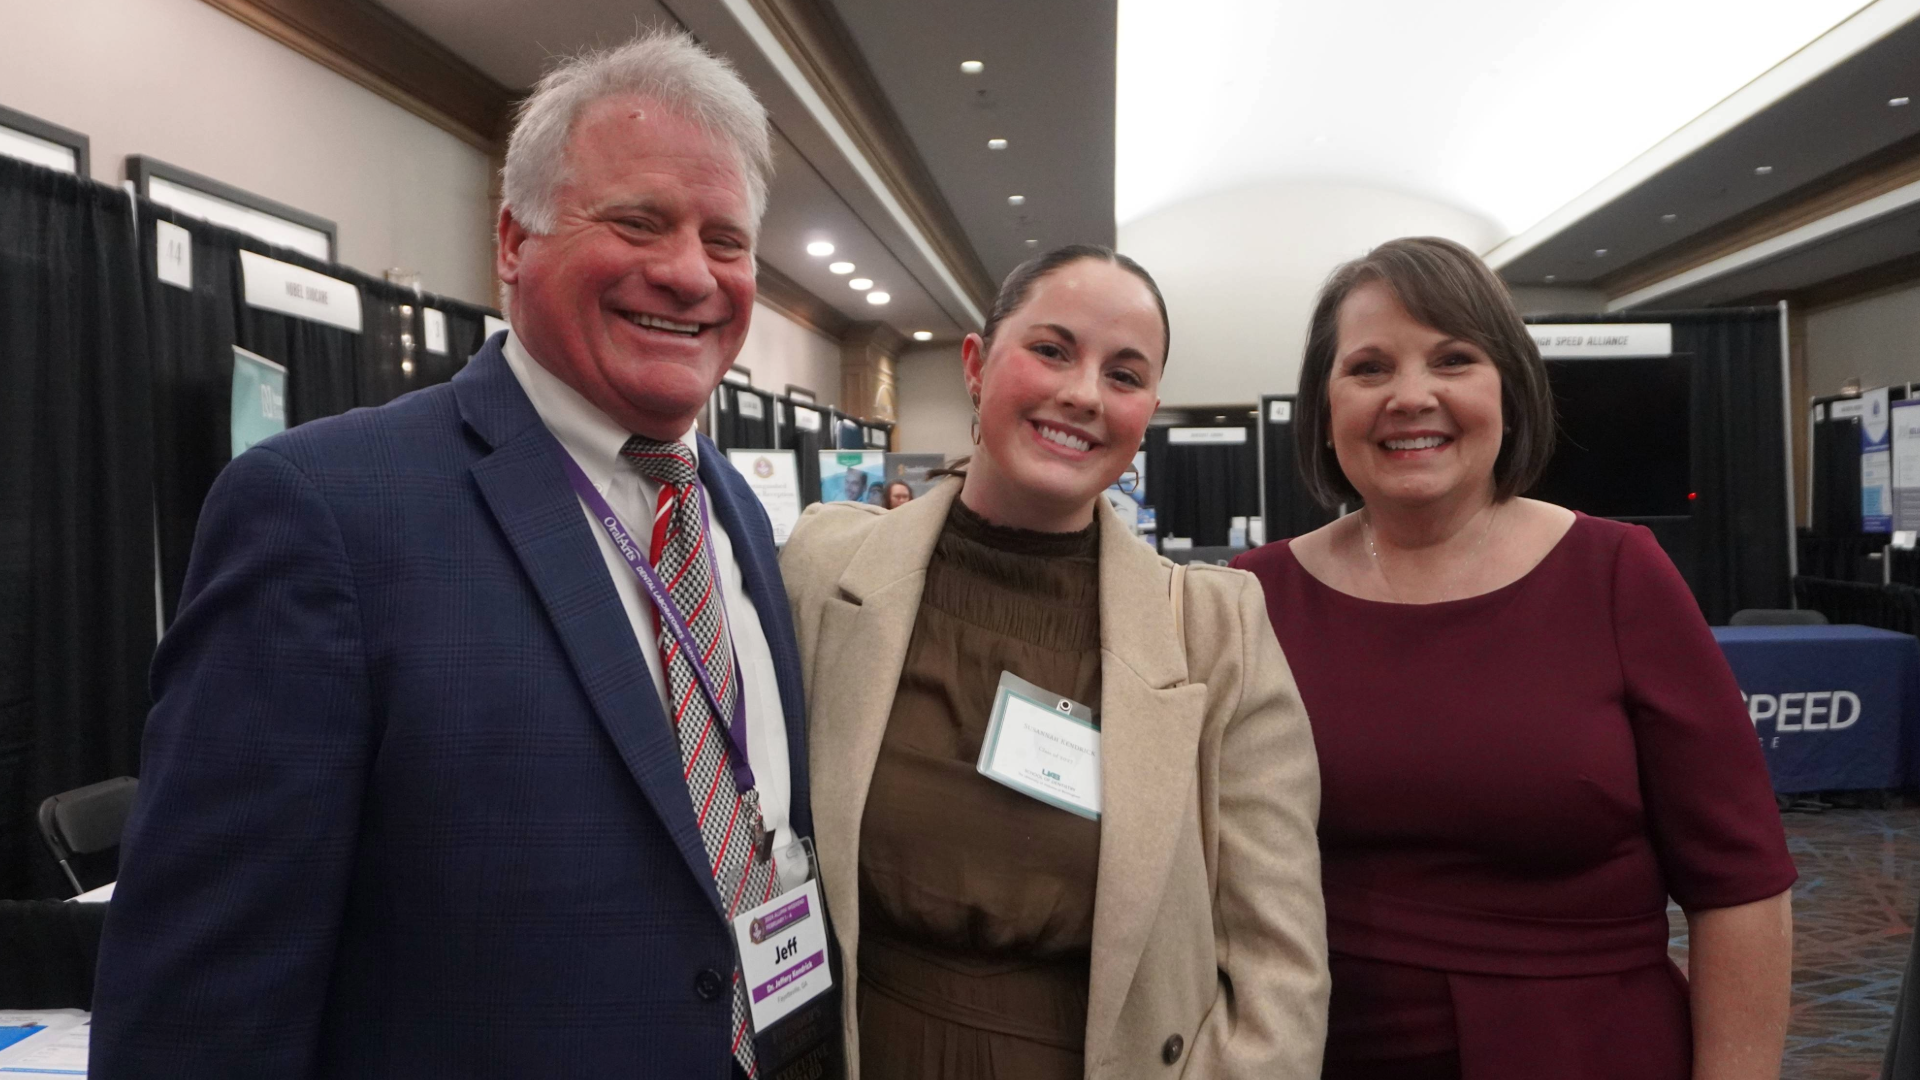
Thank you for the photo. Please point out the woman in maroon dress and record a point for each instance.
(1528, 739)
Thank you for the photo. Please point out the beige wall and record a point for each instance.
(1240, 270)
(1877, 338)
(779, 351)
(181, 82)
(935, 417)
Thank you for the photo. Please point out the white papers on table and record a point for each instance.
(95, 896)
(59, 1048)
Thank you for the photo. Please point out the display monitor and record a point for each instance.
(1625, 446)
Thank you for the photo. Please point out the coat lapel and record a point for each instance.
(524, 486)
(865, 630)
(1149, 746)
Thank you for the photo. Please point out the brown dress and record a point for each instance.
(976, 902)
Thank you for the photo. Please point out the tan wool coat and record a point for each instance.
(1209, 935)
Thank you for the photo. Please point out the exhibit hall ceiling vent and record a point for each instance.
(1508, 109)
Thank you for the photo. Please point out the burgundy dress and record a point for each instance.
(1512, 786)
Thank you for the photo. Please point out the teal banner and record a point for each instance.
(259, 399)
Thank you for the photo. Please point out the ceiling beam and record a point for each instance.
(790, 298)
(813, 36)
(389, 56)
(1890, 169)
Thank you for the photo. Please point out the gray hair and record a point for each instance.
(664, 66)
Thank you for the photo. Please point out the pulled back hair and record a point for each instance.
(1019, 285)
(1446, 287)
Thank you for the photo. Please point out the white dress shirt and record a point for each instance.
(595, 440)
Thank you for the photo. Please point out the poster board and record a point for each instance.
(1904, 435)
(1876, 463)
(774, 476)
(852, 475)
(259, 400)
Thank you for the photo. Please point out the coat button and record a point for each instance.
(707, 984)
(1170, 1052)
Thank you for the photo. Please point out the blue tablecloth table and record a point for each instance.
(1836, 708)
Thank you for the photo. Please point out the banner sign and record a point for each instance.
(435, 322)
(259, 399)
(1206, 436)
(852, 475)
(1904, 431)
(1594, 341)
(1876, 464)
(297, 291)
(774, 476)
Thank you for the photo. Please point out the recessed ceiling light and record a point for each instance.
(1599, 253)
(923, 335)
(860, 284)
(1668, 219)
(972, 67)
(1898, 101)
(878, 297)
(1033, 243)
(819, 249)
(1319, 140)
(840, 268)
(1016, 200)
(1763, 170)
(996, 144)
(1551, 278)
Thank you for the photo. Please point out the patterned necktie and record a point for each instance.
(730, 823)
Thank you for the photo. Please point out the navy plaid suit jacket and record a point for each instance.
(409, 804)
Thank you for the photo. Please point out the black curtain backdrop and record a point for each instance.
(1196, 490)
(1286, 507)
(76, 522)
(736, 429)
(1733, 549)
(329, 369)
(806, 444)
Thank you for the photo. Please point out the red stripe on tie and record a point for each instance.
(699, 544)
(738, 1035)
(726, 838)
(708, 804)
(694, 758)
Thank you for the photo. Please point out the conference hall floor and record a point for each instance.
(1853, 911)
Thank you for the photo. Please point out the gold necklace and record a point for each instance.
(1366, 530)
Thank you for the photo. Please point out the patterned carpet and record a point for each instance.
(1853, 911)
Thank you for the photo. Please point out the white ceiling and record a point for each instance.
(1506, 108)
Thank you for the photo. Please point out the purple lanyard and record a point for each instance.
(669, 612)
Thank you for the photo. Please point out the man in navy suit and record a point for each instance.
(420, 797)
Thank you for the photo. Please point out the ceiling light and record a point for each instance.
(860, 284)
(996, 144)
(972, 67)
(1551, 278)
(1898, 101)
(820, 249)
(1033, 243)
(1668, 219)
(1599, 253)
(923, 335)
(878, 297)
(840, 267)
(1763, 170)
(1016, 200)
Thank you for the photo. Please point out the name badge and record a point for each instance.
(783, 946)
(1044, 745)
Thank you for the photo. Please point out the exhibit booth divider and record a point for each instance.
(1201, 477)
(1286, 506)
(118, 408)
(1731, 534)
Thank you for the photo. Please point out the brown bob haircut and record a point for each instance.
(1446, 287)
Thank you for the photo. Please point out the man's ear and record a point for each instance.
(506, 256)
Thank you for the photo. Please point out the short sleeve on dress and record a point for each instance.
(1709, 801)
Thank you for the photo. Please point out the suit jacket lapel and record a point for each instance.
(753, 550)
(867, 628)
(527, 491)
(1149, 738)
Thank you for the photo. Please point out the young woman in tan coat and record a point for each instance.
(1162, 920)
